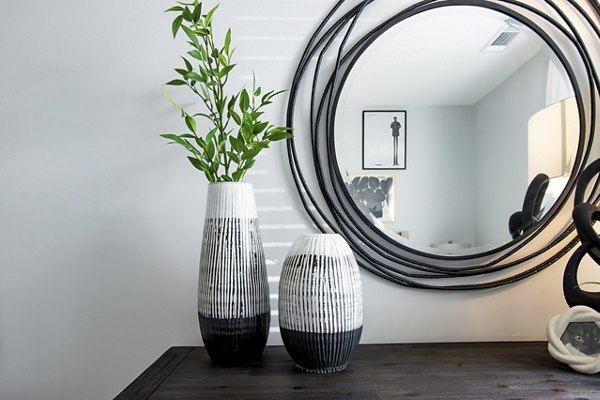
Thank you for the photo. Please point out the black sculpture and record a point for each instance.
(532, 211)
(584, 215)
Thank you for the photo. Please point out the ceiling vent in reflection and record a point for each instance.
(502, 38)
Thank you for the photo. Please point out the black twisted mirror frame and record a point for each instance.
(568, 27)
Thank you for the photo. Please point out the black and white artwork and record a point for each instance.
(384, 139)
(373, 195)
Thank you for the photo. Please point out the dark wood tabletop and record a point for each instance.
(521, 370)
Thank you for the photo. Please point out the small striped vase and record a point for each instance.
(320, 303)
(233, 293)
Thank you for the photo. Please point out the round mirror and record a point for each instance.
(437, 138)
(455, 131)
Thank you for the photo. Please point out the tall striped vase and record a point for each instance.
(320, 303)
(233, 293)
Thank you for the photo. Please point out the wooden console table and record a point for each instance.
(418, 371)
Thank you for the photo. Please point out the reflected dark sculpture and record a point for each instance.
(584, 215)
(532, 211)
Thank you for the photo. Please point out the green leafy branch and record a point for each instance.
(235, 135)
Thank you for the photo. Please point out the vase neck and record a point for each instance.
(230, 200)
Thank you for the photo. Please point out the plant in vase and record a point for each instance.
(223, 140)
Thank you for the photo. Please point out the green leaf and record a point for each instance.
(270, 95)
(204, 91)
(211, 134)
(222, 59)
(209, 14)
(197, 54)
(201, 32)
(191, 123)
(176, 25)
(257, 91)
(201, 142)
(236, 144)
(176, 82)
(191, 35)
(212, 72)
(275, 136)
(202, 115)
(247, 126)
(251, 153)
(259, 127)
(249, 164)
(187, 14)
(193, 76)
(171, 136)
(236, 118)
(197, 14)
(203, 52)
(225, 71)
(181, 71)
(244, 100)
(176, 8)
(226, 178)
(263, 144)
(183, 142)
(209, 153)
(234, 157)
(227, 41)
(238, 175)
(220, 103)
(266, 97)
(188, 65)
(201, 165)
(231, 105)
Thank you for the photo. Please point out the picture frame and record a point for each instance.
(374, 194)
(574, 339)
(384, 139)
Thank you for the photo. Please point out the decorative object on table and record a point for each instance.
(233, 292)
(384, 139)
(233, 296)
(320, 303)
(574, 339)
(374, 195)
(584, 215)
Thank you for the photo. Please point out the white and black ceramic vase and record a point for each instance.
(233, 293)
(320, 303)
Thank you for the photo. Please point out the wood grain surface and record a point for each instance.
(416, 371)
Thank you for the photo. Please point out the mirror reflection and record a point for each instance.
(445, 122)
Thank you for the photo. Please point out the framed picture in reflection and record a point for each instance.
(383, 139)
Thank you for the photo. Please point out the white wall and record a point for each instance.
(501, 121)
(437, 187)
(100, 221)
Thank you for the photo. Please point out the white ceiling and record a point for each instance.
(435, 58)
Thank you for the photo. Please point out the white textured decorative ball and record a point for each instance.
(574, 339)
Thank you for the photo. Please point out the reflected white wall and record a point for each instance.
(501, 123)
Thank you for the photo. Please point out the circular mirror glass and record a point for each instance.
(449, 125)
